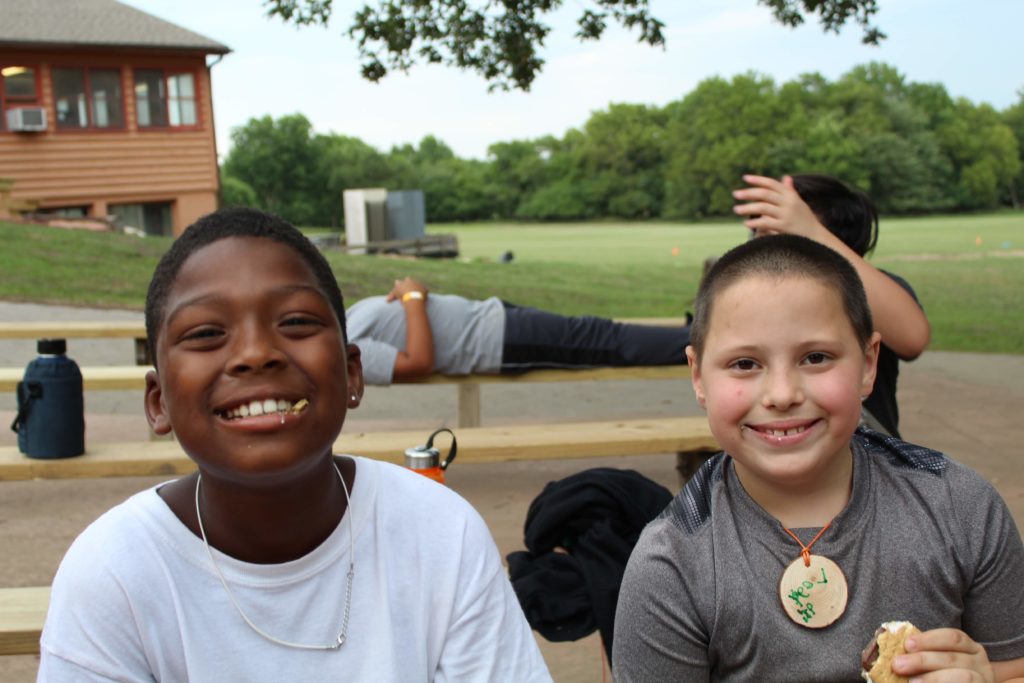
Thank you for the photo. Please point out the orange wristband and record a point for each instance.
(413, 296)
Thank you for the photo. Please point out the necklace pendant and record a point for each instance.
(813, 596)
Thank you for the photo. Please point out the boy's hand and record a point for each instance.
(774, 206)
(944, 654)
(404, 286)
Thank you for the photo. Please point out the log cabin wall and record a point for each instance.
(131, 169)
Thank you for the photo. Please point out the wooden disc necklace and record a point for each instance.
(813, 588)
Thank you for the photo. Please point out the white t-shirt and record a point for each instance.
(468, 334)
(136, 599)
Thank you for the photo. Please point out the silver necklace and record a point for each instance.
(343, 634)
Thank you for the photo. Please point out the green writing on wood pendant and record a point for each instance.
(813, 595)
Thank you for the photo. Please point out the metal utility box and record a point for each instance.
(365, 217)
(406, 215)
(392, 222)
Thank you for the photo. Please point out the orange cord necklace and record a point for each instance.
(805, 550)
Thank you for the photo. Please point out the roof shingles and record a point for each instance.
(94, 23)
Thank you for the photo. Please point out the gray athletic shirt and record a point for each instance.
(922, 539)
(468, 334)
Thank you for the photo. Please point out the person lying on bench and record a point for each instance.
(845, 219)
(783, 554)
(410, 333)
(278, 560)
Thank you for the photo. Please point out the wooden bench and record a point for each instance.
(94, 378)
(22, 613)
(131, 377)
(476, 444)
(468, 386)
(136, 329)
(82, 329)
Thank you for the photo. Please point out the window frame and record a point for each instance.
(165, 74)
(90, 108)
(18, 101)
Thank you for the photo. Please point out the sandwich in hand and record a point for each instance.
(888, 642)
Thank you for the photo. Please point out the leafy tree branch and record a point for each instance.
(501, 39)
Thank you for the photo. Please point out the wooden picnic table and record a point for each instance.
(82, 329)
(127, 377)
(133, 377)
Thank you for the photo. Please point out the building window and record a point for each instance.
(19, 83)
(150, 218)
(165, 99)
(69, 98)
(19, 86)
(105, 97)
(150, 98)
(181, 102)
(69, 211)
(88, 98)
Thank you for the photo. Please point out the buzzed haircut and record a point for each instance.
(779, 256)
(234, 222)
(848, 213)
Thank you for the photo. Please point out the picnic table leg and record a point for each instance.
(142, 352)
(469, 405)
(687, 464)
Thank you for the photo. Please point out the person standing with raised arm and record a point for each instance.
(844, 219)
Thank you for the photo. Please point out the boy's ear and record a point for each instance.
(156, 413)
(355, 375)
(870, 365)
(695, 378)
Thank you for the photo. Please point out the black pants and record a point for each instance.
(539, 339)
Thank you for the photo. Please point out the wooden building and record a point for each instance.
(106, 111)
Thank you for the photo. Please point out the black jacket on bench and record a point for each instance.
(579, 533)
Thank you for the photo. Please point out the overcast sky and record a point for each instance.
(972, 47)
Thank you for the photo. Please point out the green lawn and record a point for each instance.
(971, 290)
(653, 243)
(672, 245)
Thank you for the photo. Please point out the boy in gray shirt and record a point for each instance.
(781, 557)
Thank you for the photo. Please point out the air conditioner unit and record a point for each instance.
(26, 119)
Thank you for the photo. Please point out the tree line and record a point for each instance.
(911, 146)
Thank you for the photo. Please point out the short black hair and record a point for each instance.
(848, 213)
(783, 256)
(234, 222)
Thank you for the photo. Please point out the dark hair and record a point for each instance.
(781, 256)
(848, 213)
(234, 222)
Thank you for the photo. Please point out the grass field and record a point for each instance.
(631, 243)
(968, 270)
